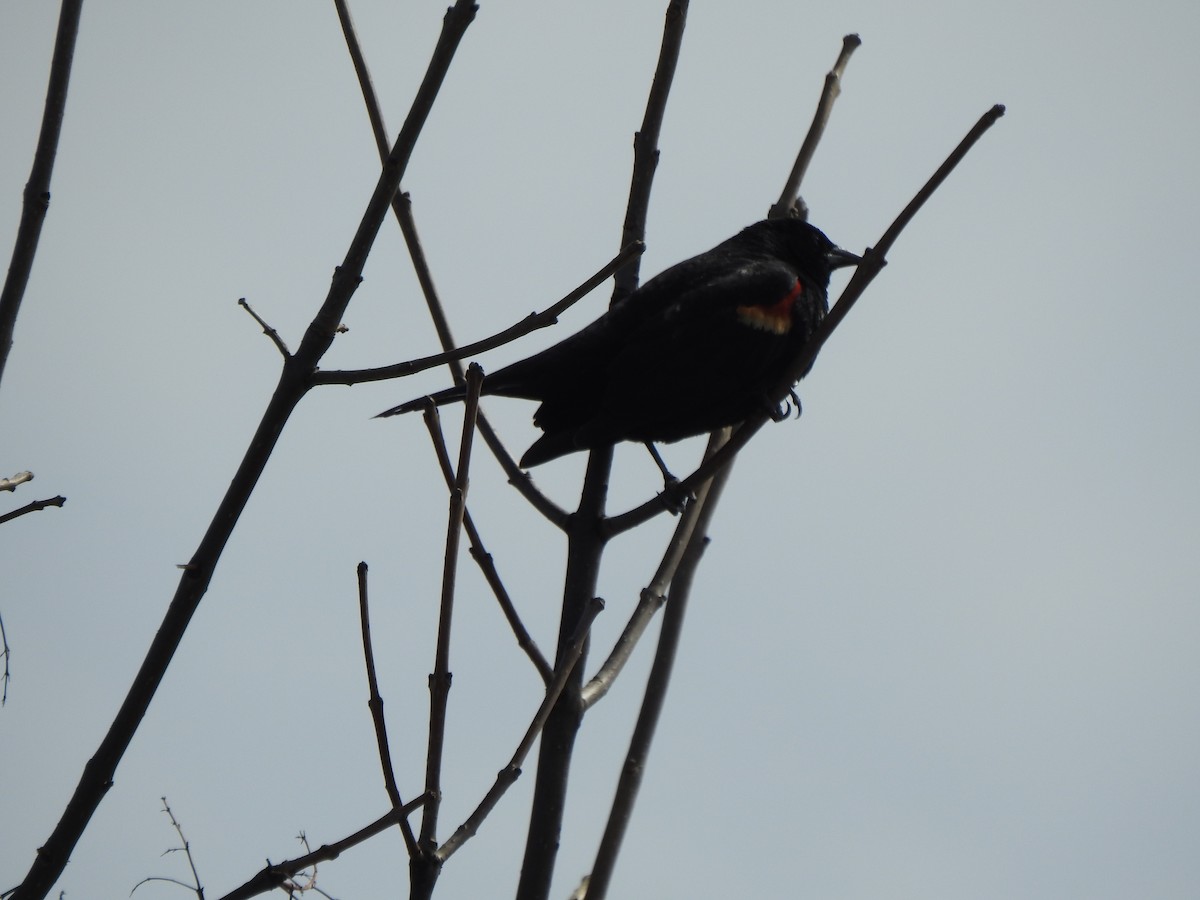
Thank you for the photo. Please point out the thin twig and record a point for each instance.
(484, 559)
(375, 704)
(786, 203)
(6, 653)
(873, 262)
(36, 201)
(507, 776)
(268, 330)
(531, 322)
(634, 766)
(99, 772)
(13, 482)
(274, 875)
(35, 506)
(439, 681)
(186, 847)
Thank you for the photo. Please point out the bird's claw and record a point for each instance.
(783, 409)
(673, 498)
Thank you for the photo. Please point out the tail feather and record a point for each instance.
(550, 446)
(449, 395)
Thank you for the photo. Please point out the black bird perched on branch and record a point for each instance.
(698, 347)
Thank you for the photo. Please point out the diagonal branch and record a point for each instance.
(37, 190)
(268, 330)
(274, 875)
(531, 322)
(98, 774)
(364, 77)
(786, 203)
(650, 600)
(35, 506)
(402, 208)
(12, 482)
(484, 559)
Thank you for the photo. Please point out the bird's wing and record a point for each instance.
(707, 358)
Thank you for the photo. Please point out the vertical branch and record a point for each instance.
(586, 537)
(37, 189)
(656, 687)
(645, 143)
(375, 704)
(439, 681)
(786, 203)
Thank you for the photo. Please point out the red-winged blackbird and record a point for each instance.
(695, 348)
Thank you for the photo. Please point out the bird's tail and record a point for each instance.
(449, 395)
(548, 447)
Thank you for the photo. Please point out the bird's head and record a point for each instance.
(801, 245)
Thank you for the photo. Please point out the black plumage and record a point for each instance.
(697, 347)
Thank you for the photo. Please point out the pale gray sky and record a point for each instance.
(944, 643)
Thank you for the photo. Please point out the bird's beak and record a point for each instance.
(839, 258)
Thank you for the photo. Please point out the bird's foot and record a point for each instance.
(784, 409)
(673, 497)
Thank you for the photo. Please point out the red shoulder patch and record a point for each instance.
(773, 317)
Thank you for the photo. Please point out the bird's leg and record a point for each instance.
(668, 478)
(674, 504)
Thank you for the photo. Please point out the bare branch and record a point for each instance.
(531, 322)
(510, 773)
(268, 330)
(402, 208)
(35, 506)
(484, 559)
(645, 141)
(6, 654)
(649, 602)
(15, 481)
(656, 687)
(275, 875)
(37, 189)
(364, 78)
(375, 703)
(439, 681)
(786, 203)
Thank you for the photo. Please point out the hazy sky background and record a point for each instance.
(945, 641)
